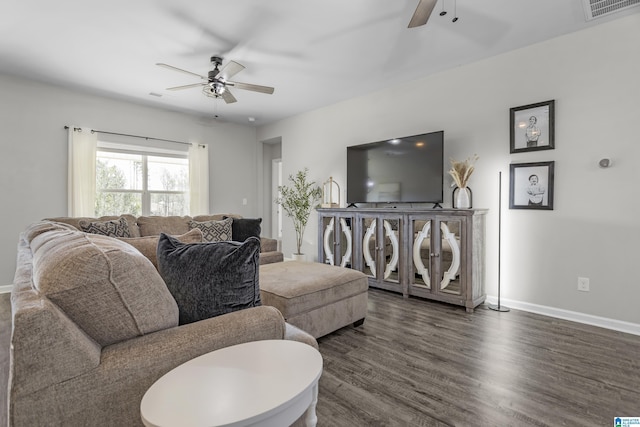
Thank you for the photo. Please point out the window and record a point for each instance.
(136, 175)
(141, 183)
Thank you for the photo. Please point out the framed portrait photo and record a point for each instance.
(531, 186)
(532, 127)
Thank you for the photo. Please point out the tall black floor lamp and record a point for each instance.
(498, 307)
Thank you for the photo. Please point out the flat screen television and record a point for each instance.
(399, 170)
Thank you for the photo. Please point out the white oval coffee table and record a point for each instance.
(265, 383)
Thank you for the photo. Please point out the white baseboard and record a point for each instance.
(5, 289)
(574, 316)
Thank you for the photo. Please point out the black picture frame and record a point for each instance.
(531, 185)
(532, 127)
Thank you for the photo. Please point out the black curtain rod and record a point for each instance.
(133, 136)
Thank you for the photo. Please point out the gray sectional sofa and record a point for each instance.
(153, 225)
(94, 325)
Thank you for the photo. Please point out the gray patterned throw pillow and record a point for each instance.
(214, 231)
(112, 228)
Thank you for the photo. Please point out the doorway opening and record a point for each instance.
(271, 180)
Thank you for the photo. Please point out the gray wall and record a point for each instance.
(594, 229)
(33, 164)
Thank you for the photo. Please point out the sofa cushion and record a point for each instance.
(215, 217)
(214, 231)
(154, 225)
(104, 285)
(243, 228)
(148, 245)
(111, 228)
(75, 221)
(37, 228)
(210, 279)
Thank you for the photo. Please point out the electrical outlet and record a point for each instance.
(583, 284)
(244, 201)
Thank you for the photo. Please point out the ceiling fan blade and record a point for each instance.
(186, 86)
(171, 67)
(231, 69)
(248, 86)
(228, 96)
(422, 13)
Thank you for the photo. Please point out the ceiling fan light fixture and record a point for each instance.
(210, 92)
(217, 87)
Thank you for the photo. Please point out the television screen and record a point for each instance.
(399, 170)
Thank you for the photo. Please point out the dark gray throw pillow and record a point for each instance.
(243, 228)
(212, 278)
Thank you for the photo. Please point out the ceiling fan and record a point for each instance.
(422, 13)
(424, 10)
(217, 81)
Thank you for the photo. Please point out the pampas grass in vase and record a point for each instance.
(461, 172)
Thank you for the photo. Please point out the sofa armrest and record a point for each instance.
(46, 346)
(128, 368)
(177, 345)
(267, 244)
(296, 334)
(271, 257)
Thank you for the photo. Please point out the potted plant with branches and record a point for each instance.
(297, 200)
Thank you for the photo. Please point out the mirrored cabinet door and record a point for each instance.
(346, 242)
(369, 246)
(436, 255)
(391, 249)
(449, 261)
(337, 241)
(420, 275)
(381, 248)
(328, 240)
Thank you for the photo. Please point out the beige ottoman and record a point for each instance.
(317, 298)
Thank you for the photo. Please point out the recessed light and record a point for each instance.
(252, 119)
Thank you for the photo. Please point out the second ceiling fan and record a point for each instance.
(217, 83)
(422, 13)
(424, 10)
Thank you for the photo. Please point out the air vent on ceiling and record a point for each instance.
(598, 8)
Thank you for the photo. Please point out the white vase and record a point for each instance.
(299, 257)
(463, 198)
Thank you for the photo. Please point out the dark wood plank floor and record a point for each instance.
(420, 363)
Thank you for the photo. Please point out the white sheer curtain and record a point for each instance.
(81, 187)
(198, 179)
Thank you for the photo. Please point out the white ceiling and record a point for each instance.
(314, 53)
